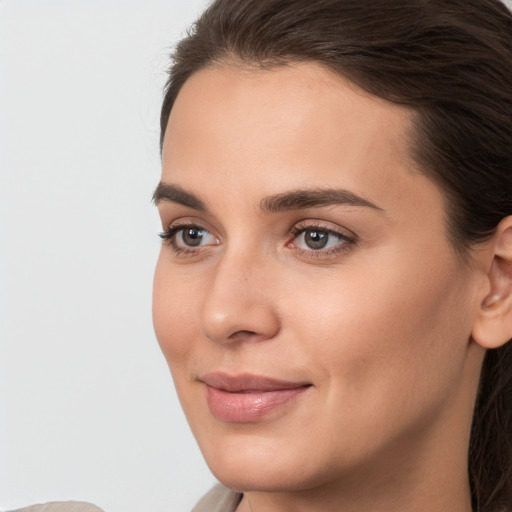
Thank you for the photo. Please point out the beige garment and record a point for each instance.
(61, 506)
(219, 499)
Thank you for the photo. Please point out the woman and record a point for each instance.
(334, 290)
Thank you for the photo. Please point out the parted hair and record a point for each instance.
(450, 61)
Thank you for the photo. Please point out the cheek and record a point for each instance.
(398, 335)
(173, 316)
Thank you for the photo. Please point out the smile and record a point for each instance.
(247, 398)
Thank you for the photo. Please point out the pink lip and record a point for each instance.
(247, 398)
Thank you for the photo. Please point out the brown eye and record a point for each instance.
(316, 239)
(188, 237)
(319, 241)
(192, 236)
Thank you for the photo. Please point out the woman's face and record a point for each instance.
(313, 313)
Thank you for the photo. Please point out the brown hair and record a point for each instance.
(451, 62)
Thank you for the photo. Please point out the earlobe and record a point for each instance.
(493, 326)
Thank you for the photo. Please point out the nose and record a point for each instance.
(239, 305)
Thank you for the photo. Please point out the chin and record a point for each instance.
(255, 477)
(253, 465)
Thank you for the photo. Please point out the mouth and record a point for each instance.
(248, 398)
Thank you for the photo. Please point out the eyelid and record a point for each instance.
(185, 222)
(174, 227)
(347, 239)
(310, 224)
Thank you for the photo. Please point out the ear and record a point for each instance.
(493, 326)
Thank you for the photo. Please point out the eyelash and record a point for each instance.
(169, 237)
(346, 241)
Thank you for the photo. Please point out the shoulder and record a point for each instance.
(61, 506)
(218, 499)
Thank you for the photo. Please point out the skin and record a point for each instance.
(379, 323)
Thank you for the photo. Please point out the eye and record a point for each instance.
(317, 239)
(320, 241)
(187, 238)
(192, 236)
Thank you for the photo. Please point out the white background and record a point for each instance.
(87, 408)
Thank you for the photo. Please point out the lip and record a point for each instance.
(247, 398)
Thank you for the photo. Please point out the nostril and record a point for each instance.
(241, 334)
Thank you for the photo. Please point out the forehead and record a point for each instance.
(297, 126)
(282, 108)
(289, 96)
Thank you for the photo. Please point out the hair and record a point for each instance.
(450, 61)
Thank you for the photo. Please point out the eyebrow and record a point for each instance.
(293, 200)
(310, 198)
(176, 194)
